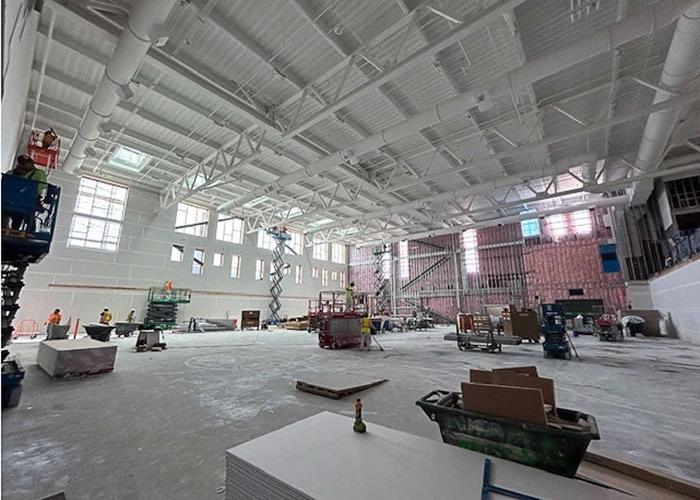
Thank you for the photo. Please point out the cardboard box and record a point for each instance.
(513, 403)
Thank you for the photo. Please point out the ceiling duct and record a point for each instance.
(681, 66)
(143, 28)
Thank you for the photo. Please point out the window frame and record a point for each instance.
(202, 229)
(181, 249)
(99, 207)
(198, 262)
(259, 269)
(324, 277)
(221, 261)
(230, 229)
(237, 260)
(338, 253)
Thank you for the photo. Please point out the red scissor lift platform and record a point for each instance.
(338, 323)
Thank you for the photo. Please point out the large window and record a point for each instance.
(296, 243)
(191, 219)
(471, 253)
(530, 228)
(581, 222)
(235, 266)
(320, 250)
(229, 229)
(259, 269)
(265, 240)
(198, 261)
(99, 210)
(338, 253)
(299, 274)
(403, 260)
(557, 225)
(324, 277)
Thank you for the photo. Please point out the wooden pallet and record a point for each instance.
(334, 391)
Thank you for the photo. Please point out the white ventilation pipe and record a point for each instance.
(143, 26)
(605, 40)
(681, 66)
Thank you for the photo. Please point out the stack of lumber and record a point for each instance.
(321, 457)
(72, 358)
(517, 393)
(296, 325)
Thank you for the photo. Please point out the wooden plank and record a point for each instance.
(643, 473)
(513, 403)
(336, 386)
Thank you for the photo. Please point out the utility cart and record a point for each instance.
(556, 343)
(557, 450)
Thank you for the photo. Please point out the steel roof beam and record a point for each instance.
(416, 58)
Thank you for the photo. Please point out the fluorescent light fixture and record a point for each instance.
(320, 222)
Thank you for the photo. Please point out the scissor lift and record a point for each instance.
(339, 322)
(29, 211)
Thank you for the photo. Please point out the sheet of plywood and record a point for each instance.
(546, 385)
(336, 385)
(525, 370)
(481, 376)
(514, 403)
(321, 457)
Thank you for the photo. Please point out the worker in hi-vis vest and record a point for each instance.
(366, 331)
(348, 296)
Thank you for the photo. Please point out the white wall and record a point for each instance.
(19, 38)
(63, 279)
(677, 294)
(639, 295)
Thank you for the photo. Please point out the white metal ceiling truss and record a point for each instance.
(217, 168)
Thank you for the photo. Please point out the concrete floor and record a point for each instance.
(158, 426)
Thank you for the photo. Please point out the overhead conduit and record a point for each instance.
(145, 19)
(641, 24)
(681, 66)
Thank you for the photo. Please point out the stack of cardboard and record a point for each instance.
(518, 394)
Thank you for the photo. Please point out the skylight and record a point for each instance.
(129, 159)
(289, 213)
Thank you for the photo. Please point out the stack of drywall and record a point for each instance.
(61, 358)
(321, 457)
